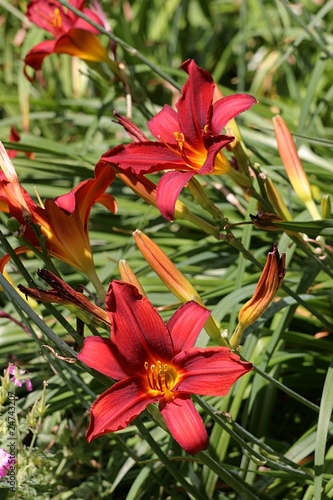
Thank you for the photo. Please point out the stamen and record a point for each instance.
(174, 150)
(56, 18)
(180, 138)
(159, 376)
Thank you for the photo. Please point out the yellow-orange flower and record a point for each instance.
(62, 221)
(72, 35)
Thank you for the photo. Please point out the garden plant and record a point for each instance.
(166, 249)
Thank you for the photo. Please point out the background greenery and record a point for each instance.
(278, 441)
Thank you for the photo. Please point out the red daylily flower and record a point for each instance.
(189, 140)
(72, 35)
(62, 221)
(154, 362)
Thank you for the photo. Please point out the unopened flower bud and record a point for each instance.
(127, 274)
(269, 283)
(41, 408)
(174, 279)
(165, 269)
(292, 163)
(326, 207)
(276, 200)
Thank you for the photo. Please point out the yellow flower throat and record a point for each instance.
(160, 377)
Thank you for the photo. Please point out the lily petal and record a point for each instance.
(101, 355)
(50, 16)
(136, 328)
(195, 104)
(81, 43)
(84, 25)
(6, 258)
(214, 145)
(185, 424)
(144, 157)
(186, 324)
(164, 125)
(87, 193)
(210, 371)
(168, 190)
(117, 407)
(67, 237)
(37, 54)
(227, 108)
(133, 131)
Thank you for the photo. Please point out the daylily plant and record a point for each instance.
(72, 35)
(155, 362)
(188, 140)
(63, 222)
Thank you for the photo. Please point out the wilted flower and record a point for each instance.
(62, 293)
(269, 283)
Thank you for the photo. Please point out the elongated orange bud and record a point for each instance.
(127, 274)
(269, 283)
(165, 269)
(174, 279)
(292, 163)
(276, 200)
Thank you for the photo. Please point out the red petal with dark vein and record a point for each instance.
(195, 105)
(227, 108)
(186, 324)
(117, 407)
(210, 371)
(144, 157)
(185, 424)
(101, 355)
(168, 190)
(215, 144)
(137, 329)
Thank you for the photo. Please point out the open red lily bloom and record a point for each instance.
(62, 221)
(188, 140)
(72, 35)
(154, 362)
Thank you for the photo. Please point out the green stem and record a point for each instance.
(96, 282)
